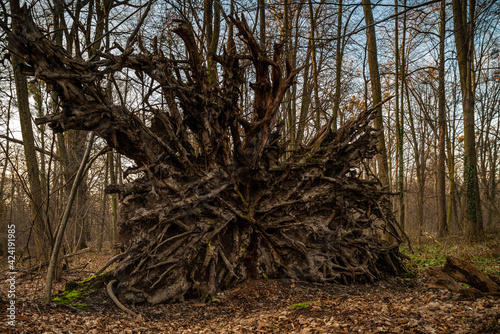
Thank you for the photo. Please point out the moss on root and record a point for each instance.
(68, 297)
(77, 291)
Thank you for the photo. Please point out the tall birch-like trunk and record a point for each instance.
(399, 116)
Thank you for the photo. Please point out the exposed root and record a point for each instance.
(111, 294)
(110, 262)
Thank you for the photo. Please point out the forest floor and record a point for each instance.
(393, 305)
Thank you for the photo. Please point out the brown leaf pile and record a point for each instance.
(396, 305)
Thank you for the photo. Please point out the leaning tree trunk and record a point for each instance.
(215, 201)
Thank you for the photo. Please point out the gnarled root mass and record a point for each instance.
(309, 218)
(219, 195)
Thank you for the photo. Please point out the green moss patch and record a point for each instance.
(301, 305)
(88, 279)
(68, 297)
(76, 294)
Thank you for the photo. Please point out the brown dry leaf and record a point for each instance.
(263, 307)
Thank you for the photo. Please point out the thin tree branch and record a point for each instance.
(64, 221)
(41, 150)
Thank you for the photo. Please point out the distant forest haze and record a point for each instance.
(213, 141)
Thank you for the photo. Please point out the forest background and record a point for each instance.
(435, 66)
(430, 69)
(426, 141)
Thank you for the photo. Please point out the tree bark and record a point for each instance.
(64, 221)
(464, 27)
(456, 271)
(213, 33)
(376, 88)
(306, 99)
(452, 206)
(315, 67)
(443, 228)
(262, 21)
(5, 150)
(105, 208)
(338, 67)
(399, 116)
(41, 236)
(418, 152)
(114, 198)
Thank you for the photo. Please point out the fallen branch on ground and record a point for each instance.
(456, 272)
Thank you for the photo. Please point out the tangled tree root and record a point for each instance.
(220, 195)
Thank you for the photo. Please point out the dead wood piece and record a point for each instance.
(495, 278)
(456, 272)
(470, 274)
(446, 281)
(443, 280)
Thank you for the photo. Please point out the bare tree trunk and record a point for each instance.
(6, 150)
(443, 228)
(450, 144)
(399, 115)
(312, 41)
(463, 19)
(371, 41)
(290, 97)
(306, 100)
(114, 198)
(213, 11)
(262, 15)
(64, 221)
(105, 208)
(338, 67)
(418, 152)
(402, 215)
(495, 209)
(36, 92)
(42, 240)
(3, 179)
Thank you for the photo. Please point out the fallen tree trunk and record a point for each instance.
(456, 272)
(216, 200)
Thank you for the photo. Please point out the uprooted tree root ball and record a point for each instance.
(219, 195)
(301, 219)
